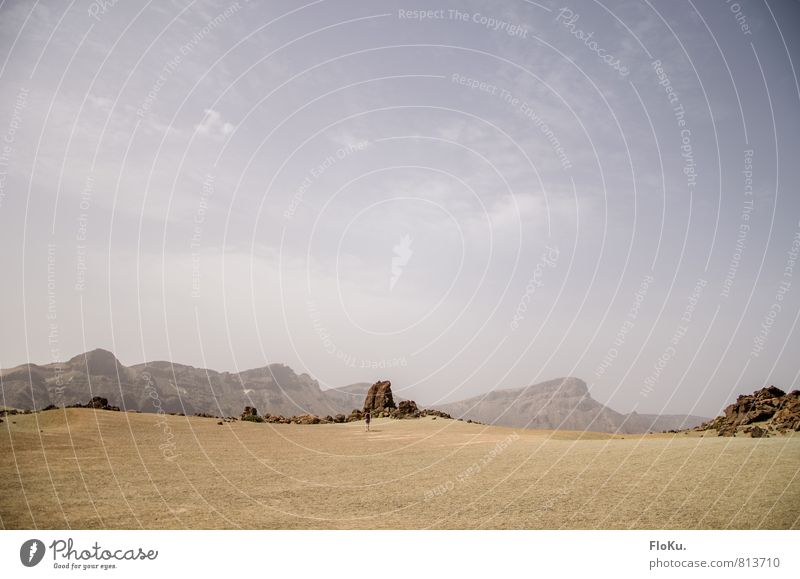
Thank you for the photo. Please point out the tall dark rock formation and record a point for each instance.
(379, 397)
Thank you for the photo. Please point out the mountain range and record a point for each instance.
(561, 404)
(564, 403)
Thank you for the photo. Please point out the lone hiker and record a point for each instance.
(367, 418)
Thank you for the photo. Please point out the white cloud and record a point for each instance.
(213, 125)
(100, 102)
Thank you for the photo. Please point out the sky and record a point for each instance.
(461, 197)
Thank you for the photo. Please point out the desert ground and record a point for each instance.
(81, 469)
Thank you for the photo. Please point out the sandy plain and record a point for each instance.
(86, 469)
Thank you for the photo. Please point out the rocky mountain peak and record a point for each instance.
(96, 362)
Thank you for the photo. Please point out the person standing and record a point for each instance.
(367, 418)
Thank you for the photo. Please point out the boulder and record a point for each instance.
(250, 414)
(407, 407)
(306, 419)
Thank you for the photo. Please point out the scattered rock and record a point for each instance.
(406, 409)
(98, 403)
(436, 413)
(306, 419)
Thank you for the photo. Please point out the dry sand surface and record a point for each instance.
(83, 468)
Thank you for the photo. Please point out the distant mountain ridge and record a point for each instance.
(167, 386)
(564, 403)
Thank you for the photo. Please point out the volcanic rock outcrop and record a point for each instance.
(771, 408)
(407, 407)
(251, 413)
(379, 397)
(97, 402)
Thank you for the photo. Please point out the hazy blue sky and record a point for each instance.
(486, 195)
